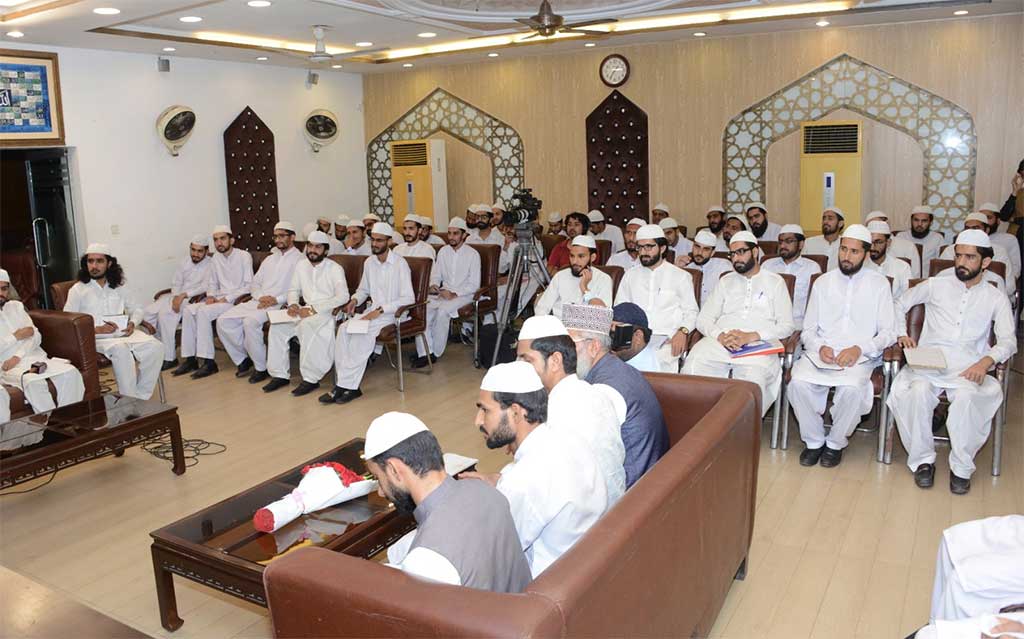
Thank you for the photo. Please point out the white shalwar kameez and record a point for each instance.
(65, 377)
(900, 247)
(930, 245)
(230, 278)
(998, 255)
(190, 279)
(389, 284)
(323, 288)
(613, 234)
(818, 245)
(895, 268)
(123, 352)
(801, 269)
(362, 249)
(957, 321)
(711, 274)
(241, 327)
(624, 260)
(416, 249)
(457, 271)
(759, 304)
(565, 289)
(665, 293)
(843, 311)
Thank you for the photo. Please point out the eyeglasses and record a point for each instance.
(740, 252)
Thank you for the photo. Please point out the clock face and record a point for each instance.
(614, 70)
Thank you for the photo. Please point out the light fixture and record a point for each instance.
(822, 23)
(259, 4)
(106, 11)
(427, 34)
(699, 34)
(961, 12)
(364, 44)
(407, 65)
(15, 34)
(190, 19)
(492, 55)
(590, 44)
(335, 66)
(262, 58)
(170, 49)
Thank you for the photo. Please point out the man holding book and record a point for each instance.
(849, 323)
(959, 314)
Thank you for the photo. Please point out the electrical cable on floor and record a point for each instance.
(194, 448)
(21, 492)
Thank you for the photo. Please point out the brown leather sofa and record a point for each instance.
(67, 335)
(658, 564)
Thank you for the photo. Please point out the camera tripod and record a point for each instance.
(524, 255)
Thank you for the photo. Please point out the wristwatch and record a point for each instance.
(683, 330)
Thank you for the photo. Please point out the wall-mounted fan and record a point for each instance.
(321, 128)
(174, 126)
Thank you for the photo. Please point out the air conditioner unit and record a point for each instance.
(419, 181)
(830, 171)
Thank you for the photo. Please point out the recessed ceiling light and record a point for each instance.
(407, 65)
(190, 19)
(364, 44)
(106, 11)
(492, 55)
(169, 49)
(590, 44)
(699, 34)
(822, 23)
(427, 34)
(259, 4)
(961, 12)
(262, 58)
(15, 34)
(335, 66)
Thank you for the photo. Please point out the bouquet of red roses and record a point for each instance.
(322, 485)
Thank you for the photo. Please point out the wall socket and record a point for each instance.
(115, 230)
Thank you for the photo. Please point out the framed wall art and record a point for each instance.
(30, 104)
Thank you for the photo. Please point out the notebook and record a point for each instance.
(758, 347)
(120, 320)
(925, 358)
(281, 316)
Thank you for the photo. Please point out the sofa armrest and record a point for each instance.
(161, 293)
(315, 593)
(73, 337)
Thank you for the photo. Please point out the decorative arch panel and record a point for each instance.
(252, 181)
(944, 131)
(617, 171)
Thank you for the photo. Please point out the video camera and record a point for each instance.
(622, 336)
(524, 210)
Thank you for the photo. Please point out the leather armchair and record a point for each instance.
(485, 299)
(415, 325)
(604, 251)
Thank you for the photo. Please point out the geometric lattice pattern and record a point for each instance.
(944, 131)
(442, 111)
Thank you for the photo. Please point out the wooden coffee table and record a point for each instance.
(219, 547)
(40, 444)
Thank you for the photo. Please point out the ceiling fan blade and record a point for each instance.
(589, 23)
(585, 32)
(532, 35)
(530, 22)
(356, 54)
(288, 52)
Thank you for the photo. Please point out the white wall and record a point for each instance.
(147, 204)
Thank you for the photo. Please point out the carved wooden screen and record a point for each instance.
(617, 173)
(252, 181)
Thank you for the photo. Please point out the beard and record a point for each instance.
(483, 224)
(577, 271)
(759, 229)
(829, 229)
(919, 235)
(699, 259)
(378, 251)
(877, 255)
(650, 260)
(98, 275)
(196, 260)
(3, 300)
(715, 227)
(502, 436)
(743, 267)
(965, 274)
(223, 249)
(410, 237)
(401, 499)
(848, 268)
(788, 253)
(584, 362)
(316, 258)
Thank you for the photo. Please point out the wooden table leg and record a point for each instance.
(169, 618)
(178, 448)
(119, 452)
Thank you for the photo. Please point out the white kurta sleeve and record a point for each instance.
(548, 298)
(468, 282)
(295, 289)
(687, 302)
(406, 295)
(431, 565)
(178, 282)
(601, 289)
(363, 290)
(909, 299)
(339, 298)
(1006, 341)
(74, 302)
(33, 343)
(247, 276)
(707, 319)
(885, 319)
(201, 283)
(810, 335)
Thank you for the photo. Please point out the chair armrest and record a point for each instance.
(161, 293)
(893, 353)
(407, 307)
(195, 299)
(791, 343)
(73, 337)
(243, 299)
(481, 292)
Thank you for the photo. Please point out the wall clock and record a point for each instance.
(614, 70)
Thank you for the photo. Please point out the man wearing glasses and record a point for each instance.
(791, 245)
(748, 305)
(664, 292)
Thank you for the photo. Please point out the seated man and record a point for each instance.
(240, 328)
(827, 244)
(757, 217)
(850, 322)
(498, 211)
(386, 280)
(644, 435)
(791, 245)
(574, 405)
(191, 278)
(321, 284)
(1007, 242)
(604, 231)
(631, 339)
(465, 534)
(20, 351)
(959, 313)
(369, 220)
(899, 247)
(453, 281)
(665, 292)
(748, 305)
(427, 232)
(100, 292)
(677, 242)
(881, 261)
(340, 233)
(575, 224)
(702, 257)
(230, 278)
(555, 223)
(979, 221)
(355, 242)
(412, 245)
(921, 218)
(628, 258)
(554, 485)
(323, 223)
(716, 219)
(734, 223)
(659, 213)
(581, 283)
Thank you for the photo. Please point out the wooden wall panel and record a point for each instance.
(691, 88)
(251, 173)
(469, 175)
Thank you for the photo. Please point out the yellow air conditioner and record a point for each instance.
(830, 171)
(419, 181)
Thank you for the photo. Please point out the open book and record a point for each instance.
(120, 320)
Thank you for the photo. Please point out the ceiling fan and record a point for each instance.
(320, 54)
(547, 23)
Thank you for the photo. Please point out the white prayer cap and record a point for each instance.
(879, 227)
(977, 217)
(796, 229)
(835, 209)
(323, 218)
(382, 228)
(742, 236)
(756, 205)
(588, 318)
(412, 217)
(743, 220)
(554, 216)
(458, 223)
(858, 232)
(988, 206)
(498, 205)
(222, 228)
(342, 220)
(705, 237)
(716, 209)
(595, 216)
(974, 237)
(356, 223)
(513, 377)
(540, 326)
(200, 240)
(483, 208)
(661, 206)
(668, 223)
(873, 215)
(371, 216)
(584, 240)
(4, 277)
(288, 226)
(96, 248)
(636, 221)
(650, 232)
(318, 237)
(426, 221)
(389, 430)
(922, 208)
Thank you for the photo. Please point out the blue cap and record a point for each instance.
(629, 313)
